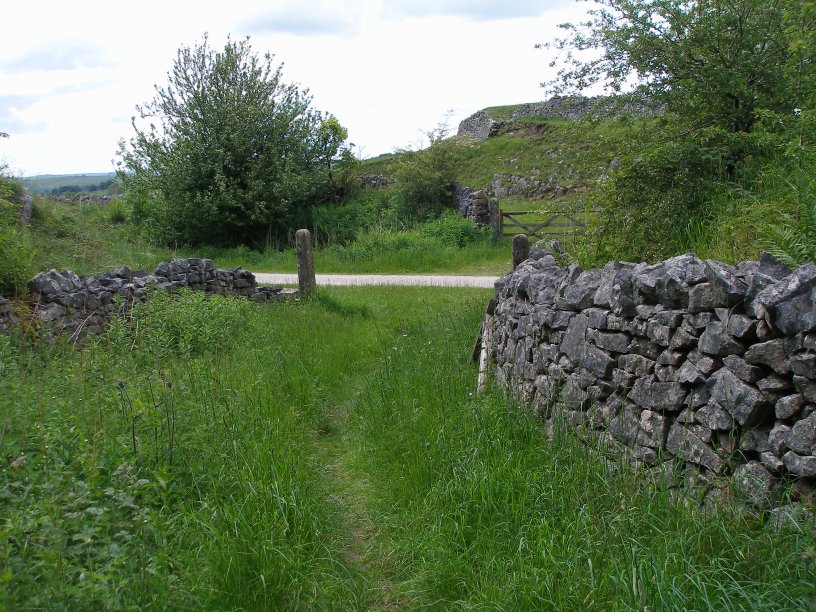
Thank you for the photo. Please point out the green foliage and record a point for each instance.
(229, 152)
(355, 471)
(186, 323)
(342, 224)
(710, 62)
(117, 213)
(453, 230)
(424, 177)
(738, 80)
(661, 191)
(16, 248)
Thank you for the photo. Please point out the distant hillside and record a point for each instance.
(47, 183)
(525, 153)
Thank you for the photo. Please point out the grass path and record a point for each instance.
(366, 549)
(331, 455)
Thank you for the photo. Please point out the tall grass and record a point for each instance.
(485, 512)
(216, 467)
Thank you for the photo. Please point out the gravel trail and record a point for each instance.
(413, 280)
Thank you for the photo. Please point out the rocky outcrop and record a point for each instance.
(66, 303)
(479, 126)
(530, 188)
(576, 107)
(707, 366)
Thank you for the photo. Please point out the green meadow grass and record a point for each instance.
(82, 238)
(212, 453)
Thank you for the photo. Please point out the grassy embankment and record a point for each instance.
(332, 455)
(82, 237)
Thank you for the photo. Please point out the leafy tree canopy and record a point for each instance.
(227, 152)
(711, 62)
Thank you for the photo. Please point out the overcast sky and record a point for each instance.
(72, 72)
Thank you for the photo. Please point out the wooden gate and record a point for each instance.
(555, 223)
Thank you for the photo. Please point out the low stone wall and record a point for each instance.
(576, 107)
(62, 302)
(476, 205)
(701, 367)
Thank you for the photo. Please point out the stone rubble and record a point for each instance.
(699, 365)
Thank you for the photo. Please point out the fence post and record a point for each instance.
(305, 262)
(521, 249)
(496, 217)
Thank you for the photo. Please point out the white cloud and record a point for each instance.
(386, 79)
(307, 18)
(476, 10)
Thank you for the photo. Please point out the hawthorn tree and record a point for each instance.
(710, 62)
(736, 79)
(226, 152)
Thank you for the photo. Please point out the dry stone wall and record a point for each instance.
(474, 205)
(696, 365)
(62, 302)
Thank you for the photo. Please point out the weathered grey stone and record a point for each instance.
(806, 387)
(669, 318)
(803, 436)
(742, 369)
(789, 406)
(771, 266)
(727, 286)
(715, 340)
(778, 439)
(625, 426)
(715, 417)
(661, 396)
(574, 342)
(597, 318)
(598, 362)
(615, 342)
(660, 334)
(804, 364)
(689, 374)
(705, 363)
(48, 313)
(684, 443)
(771, 462)
(572, 397)
(756, 440)
(580, 294)
(797, 314)
(654, 427)
(801, 281)
(771, 354)
(682, 340)
(774, 383)
(747, 405)
(805, 467)
(615, 290)
(645, 348)
(622, 380)
(616, 323)
(665, 373)
(741, 326)
(755, 484)
(636, 364)
(670, 358)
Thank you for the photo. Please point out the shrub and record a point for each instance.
(184, 323)
(455, 231)
(117, 212)
(424, 178)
